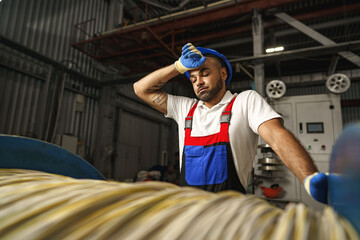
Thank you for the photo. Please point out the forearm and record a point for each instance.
(148, 88)
(155, 80)
(293, 155)
(288, 148)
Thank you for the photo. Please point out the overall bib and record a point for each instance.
(208, 161)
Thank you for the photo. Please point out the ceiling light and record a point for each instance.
(275, 49)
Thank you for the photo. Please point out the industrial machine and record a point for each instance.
(28, 153)
(316, 121)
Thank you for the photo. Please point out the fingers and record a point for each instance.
(202, 60)
(191, 58)
(189, 51)
(187, 46)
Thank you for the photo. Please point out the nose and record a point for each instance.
(199, 81)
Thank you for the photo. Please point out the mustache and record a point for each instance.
(201, 88)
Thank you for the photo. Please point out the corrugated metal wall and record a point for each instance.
(145, 138)
(79, 115)
(46, 27)
(21, 106)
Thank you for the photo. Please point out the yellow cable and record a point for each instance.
(37, 205)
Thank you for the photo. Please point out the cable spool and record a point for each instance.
(275, 89)
(37, 205)
(338, 83)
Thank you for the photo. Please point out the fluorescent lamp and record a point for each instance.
(275, 49)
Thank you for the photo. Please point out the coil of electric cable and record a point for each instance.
(37, 205)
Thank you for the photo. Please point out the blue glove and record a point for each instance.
(316, 186)
(191, 58)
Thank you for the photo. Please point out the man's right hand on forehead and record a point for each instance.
(191, 58)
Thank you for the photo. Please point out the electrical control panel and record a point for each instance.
(315, 120)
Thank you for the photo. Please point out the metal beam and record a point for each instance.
(228, 32)
(217, 14)
(161, 42)
(288, 55)
(305, 52)
(258, 46)
(271, 24)
(279, 33)
(333, 64)
(133, 59)
(355, 59)
(243, 29)
(167, 8)
(204, 15)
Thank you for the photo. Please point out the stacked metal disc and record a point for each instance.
(37, 205)
(270, 161)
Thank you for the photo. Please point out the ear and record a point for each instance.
(223, 73)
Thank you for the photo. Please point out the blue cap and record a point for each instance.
(213, 52)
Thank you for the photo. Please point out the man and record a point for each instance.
(221, 132)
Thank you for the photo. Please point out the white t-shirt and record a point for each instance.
(249, 111)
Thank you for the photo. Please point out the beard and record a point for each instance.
(209, 95)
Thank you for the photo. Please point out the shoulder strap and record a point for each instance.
(226, 114)
(188, 119)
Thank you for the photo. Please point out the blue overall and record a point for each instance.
(208, 161)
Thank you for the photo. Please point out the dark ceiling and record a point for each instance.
(152, 33)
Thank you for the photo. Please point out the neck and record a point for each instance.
(215, 100)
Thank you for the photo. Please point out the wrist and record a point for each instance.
(178, 65)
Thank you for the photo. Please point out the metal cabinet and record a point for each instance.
(316, 121)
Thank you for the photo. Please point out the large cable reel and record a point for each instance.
(275, 89)
(338, 83)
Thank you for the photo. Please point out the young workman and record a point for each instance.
(218, 132)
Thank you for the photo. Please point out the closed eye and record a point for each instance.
(203, 73)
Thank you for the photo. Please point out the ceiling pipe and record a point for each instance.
(169, 9)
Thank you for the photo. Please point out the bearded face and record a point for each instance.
(208, 93)
(209, 80)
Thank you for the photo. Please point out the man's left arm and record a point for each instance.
(288, 148)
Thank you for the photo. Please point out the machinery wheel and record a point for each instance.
(275, 89)
(338, 83)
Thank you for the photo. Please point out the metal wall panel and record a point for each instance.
(82, 123)
(20, 103)
(138, 137)
(47, 26)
